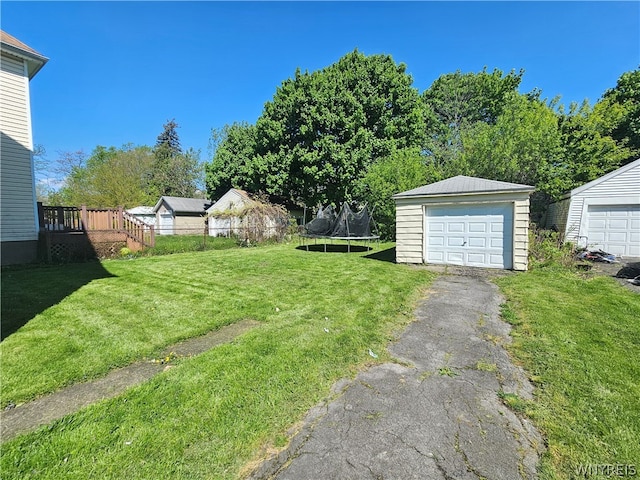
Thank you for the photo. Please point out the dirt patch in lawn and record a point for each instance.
(23, 418)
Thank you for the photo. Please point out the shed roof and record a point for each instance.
(225, 200)
(13, 46)
(463, 185)
(183, 204)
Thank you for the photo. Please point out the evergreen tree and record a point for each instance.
(174, 172)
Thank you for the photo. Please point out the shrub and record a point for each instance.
(547, 248)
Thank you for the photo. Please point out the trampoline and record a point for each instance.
(346, 225)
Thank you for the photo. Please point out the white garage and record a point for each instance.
(603, 214)
(464, 221)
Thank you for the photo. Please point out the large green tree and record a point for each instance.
(109, 177)
(588, 149)
(522, 146)
(458, 101)
(322, 130)
(232, 165)
(621, 107)
(403, 170)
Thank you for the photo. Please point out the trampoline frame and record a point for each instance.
(304, 236)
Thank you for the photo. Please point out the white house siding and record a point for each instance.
(17, 197)
(618, 189)
(410, 219)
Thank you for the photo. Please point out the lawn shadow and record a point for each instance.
(331, 248)
(388, 255)
(28, 290)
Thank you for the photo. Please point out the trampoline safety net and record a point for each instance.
(345, 224)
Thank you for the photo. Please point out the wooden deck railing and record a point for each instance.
(83, 219)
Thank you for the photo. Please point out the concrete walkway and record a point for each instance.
(46, 409)
(435, 413)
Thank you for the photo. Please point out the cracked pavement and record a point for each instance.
(435, 413)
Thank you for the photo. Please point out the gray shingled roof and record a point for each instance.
(462, 185)
(184, 205)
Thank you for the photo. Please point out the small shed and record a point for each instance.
(143, 213)
(180, 215)
(464, 221)
(237, 213)
(602, 214)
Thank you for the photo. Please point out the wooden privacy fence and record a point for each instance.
(82, 232)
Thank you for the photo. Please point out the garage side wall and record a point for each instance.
(188, 224)
(557, 215)
(409, 231)
(521, 234)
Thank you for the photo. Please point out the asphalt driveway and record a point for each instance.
(435, 413)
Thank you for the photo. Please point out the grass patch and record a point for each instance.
(447, 372)
(485, 366)
(579, 338)
(208, 415)
(515, 403)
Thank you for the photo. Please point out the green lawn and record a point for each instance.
(166, 244)
(579, 338)
(209, 415)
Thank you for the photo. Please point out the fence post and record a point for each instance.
(120, 218)
(152, 236)
(40, 217)
(85, 218)
(60, 218)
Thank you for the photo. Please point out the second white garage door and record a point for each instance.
(614, 229)
(470, 235)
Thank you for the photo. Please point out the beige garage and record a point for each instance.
(465, 221)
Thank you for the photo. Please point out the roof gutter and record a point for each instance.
(35, 61)
(459, 194)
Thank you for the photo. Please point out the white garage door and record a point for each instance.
(166, 224)
(475, 235)
(614, 229)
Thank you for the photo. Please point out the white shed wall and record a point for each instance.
(229, 201)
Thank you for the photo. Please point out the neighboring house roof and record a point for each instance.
(593, 183)
(141, 210)
(462, 185)
(183, 204)
(11, 45)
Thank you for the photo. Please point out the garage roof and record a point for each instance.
(183, 204)
(462, 185)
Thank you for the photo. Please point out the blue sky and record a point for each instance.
(119, 70)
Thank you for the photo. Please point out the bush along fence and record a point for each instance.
(250, 224)
(80, 233)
